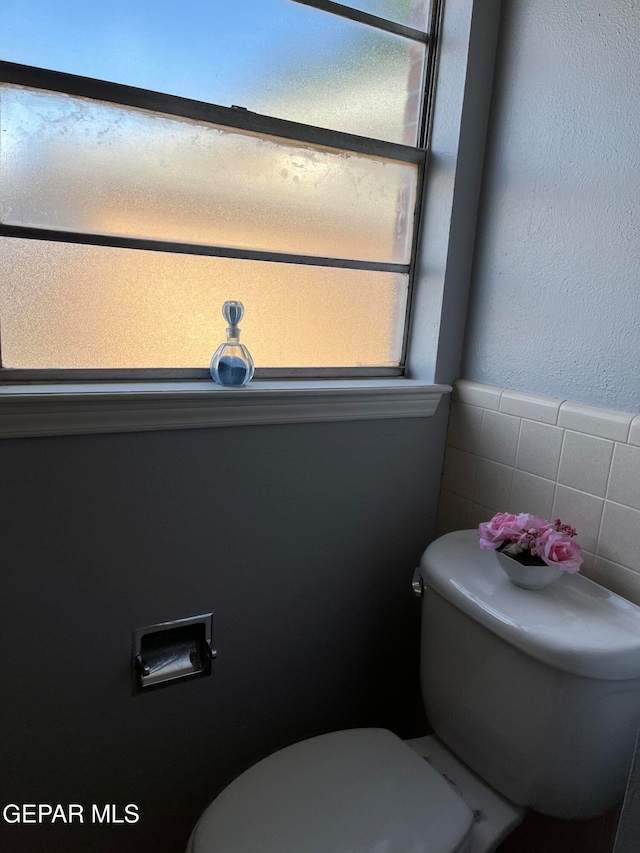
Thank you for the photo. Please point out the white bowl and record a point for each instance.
(527, 577)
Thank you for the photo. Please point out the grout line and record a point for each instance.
(617, 565)
(564, 438)
(622, 506)
(564, 432)
(515, 461)
(599, 528)
(591, 434)
(474, 477)
(629, 433)
(510, 483)
(608, 486)
(599, 539)
(583, 492)
(467, 515)
(555, 423)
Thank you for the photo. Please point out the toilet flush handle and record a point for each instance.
(417, 583)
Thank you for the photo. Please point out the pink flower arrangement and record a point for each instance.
(532, 540)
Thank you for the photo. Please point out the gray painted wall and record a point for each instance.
(555, 294)
(302, 539)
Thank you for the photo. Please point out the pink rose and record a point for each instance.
(501, 527)
(533, 526)
(532, 523)
(560, 551)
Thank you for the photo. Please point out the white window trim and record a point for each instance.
(43, 410)
(445, 254)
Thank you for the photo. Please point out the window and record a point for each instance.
(157, 159)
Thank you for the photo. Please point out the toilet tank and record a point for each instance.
(538, 691)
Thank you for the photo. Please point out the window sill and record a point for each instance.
(73, 409)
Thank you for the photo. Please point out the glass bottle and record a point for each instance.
(232, 365)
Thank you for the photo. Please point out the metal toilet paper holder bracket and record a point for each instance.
(172, 651)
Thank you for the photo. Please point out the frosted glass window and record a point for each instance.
(72, 164)
(275, 57)
(411, 13)
(64, 305)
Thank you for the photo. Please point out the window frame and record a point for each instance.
(452, 182)
(239, 118)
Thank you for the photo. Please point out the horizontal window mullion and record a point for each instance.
(101, 169)
(33, 376)
(84, 306)
(195, 249)
(173, 105)
(366, 18)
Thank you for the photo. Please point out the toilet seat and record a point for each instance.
(354, 791)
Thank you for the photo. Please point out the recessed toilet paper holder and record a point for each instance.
(172, 651)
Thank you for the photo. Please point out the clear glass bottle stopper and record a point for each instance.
(232, 364)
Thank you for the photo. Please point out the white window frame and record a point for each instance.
(441, 266)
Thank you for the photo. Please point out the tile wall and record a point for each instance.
(513, 452)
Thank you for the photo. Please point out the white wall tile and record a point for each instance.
(477, 394)
(531, 406)
(618, 579)
(539, 449)
(604, 423)
(624, 482)
(493, 484)
(531, 494)
(620, 535)
(453, 512)
(580, 510)
(588, 563)
(572, 470)
(478, 514)
(465, 425)
(634, 431)
(459, 472)
(585, 463)
(499, 437)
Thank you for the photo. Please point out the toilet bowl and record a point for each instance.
(355, 790)
(534, 698)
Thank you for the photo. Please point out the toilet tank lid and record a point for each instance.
(360, 789)
(575, 625)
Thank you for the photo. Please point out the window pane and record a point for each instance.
(66, 305)
(274, 57)
(411, 13)
(77, 165)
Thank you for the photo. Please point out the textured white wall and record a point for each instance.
(555, 293)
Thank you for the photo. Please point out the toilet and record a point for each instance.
(534, 702)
